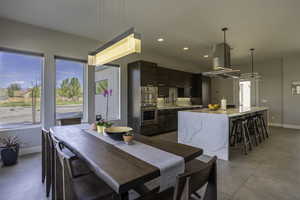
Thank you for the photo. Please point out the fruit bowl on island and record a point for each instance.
(213, 107)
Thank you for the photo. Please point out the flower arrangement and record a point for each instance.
(104, 123)
(106, 94)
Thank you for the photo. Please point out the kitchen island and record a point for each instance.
(209, 129)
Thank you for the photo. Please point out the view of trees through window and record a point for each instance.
(69, 88)
(20, 89)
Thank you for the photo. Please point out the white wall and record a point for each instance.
(112, 75)
(222, 88)
(270, 87)
(26, 37)
(291, 104)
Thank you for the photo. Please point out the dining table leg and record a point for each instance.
(142, 189)
(124, 196)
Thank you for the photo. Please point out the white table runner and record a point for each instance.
(170, 165)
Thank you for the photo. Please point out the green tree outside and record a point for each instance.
(12, 88)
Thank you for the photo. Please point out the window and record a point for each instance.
(107, 94)
(69, 88)
(245, 93)
(20, 89)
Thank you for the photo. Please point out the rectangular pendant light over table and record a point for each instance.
(125, 44)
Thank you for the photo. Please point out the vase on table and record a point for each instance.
(100, 129)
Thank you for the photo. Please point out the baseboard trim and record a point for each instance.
(291, 126)
(30, 150)
(275, 124)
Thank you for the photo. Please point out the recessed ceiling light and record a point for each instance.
(205, 56)
(185, 48)
(160, 39)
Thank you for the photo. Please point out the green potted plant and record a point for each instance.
(9, 147)
(102, 125)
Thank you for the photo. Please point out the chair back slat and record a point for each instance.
(70, 121)
(65, 161)
(191, 181)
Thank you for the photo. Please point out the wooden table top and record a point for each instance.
(117, 168)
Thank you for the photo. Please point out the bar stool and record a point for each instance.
(253, 128)
(87, 187)
(262, 123)
(240, 134)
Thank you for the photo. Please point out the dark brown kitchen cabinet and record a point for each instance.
(206, 90)
(187, 92)
(197, 85)
(187, 79)
(162, 120)
(163, 91)
(149, 130)
(143, 73)
(167, 120)
(175, 79)
(148, 73)
(162, 77)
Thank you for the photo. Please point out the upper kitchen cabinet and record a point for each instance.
(187, 79)
(148, 72)
(197, 85)
(175, 79)
(206, 90)
(163, 77)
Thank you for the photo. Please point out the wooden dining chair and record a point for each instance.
(46, 161)
(70, 121)
(43, 141)
(197, 174)
(84, 187)
(79, 167)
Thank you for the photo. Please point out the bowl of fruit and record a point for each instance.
(213, 106)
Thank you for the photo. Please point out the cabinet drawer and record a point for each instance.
(149, 130)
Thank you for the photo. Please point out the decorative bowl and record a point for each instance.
(117, 132)
(128, 138)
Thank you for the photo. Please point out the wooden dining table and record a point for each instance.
(120, 170)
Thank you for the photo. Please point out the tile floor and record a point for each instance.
(270, 172)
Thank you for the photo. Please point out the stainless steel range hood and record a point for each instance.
(222, 61)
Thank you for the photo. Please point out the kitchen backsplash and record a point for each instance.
(179, 102)
(183, 101)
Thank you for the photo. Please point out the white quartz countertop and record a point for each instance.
(178, 107)
(231, 112)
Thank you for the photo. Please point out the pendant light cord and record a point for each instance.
(252, 61)
(225, 53)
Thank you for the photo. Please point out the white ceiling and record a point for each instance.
(269, 26)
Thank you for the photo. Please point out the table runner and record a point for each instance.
(170, 165)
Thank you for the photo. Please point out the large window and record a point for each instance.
(20, 89)
(69, 88)
(107, 92)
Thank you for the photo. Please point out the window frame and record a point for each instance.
(27, 53)
(85, 65)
